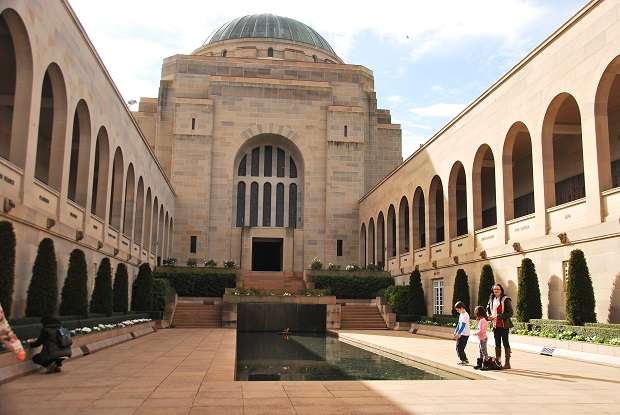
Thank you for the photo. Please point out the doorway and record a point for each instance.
(267, 254)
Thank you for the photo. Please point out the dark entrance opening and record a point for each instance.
(266, 254)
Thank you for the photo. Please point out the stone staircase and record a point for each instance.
(361, 317)
(273, 281)
(197, 314)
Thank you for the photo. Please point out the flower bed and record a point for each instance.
(259, 293)
(105, 327)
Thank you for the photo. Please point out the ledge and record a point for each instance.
(611, 191)
(566, 205)
(521, 219)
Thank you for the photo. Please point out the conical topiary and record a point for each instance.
(7, 265)
(43, 290)
(142, 290)
(416, 303)
(487, 280)
(580, 301)
(461, 290)
(74, 297)
(101, 300)
(121, 289)
(528, 304)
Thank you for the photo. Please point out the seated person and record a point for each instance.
(53, 352)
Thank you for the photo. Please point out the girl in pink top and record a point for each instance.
(481, 332)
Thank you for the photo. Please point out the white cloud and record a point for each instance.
(134, 36)
(441, 110)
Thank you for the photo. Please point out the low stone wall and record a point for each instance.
(230, 302)
(82, 345)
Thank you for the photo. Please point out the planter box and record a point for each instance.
(344, 273)
(82, 345)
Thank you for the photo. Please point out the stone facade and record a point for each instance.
(530, 168)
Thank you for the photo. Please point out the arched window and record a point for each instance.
(224, 53)
(293, 168)
(381, 240)
(100, 174)
(292, 206)
(267, 204)
(139, 223)
(268, 161)
(154, 226)
(254, 171)
(315, 58)
(160, 234)
(607, 113)
(485, 205)
(391, 232)
(241, 170)
(15, 87)
(116, 193)
(280, 163)
(80, 155)
(419, 219)
(562, 143)
(403, 225)
(148, 219)
(254, 204)
(363, 256)
(129, 201)
(240, 204)
(270, 52)
(371, 241)
(436, 210)
(518, 172)
(280, 204)
(457, 198)
(346, 131)
(52, 127)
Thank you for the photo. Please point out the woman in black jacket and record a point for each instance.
(500, 310)
(52, 355)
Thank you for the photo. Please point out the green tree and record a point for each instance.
(487, 280)
(528, 303)
(142, 290)
(580, 301)
(7, 265)
(461, 290)
(121, 289)
(416, 301)
(74, 297)
(43, 290)
(101, 300)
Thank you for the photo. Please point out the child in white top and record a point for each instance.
(461, 333)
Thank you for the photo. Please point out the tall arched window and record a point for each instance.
(148, 220)
(100, 174)
(381, 240)
(485, 204)
(154, 225)
(129, 201)
(518, 172)
(139, 223)
(52, 125)
(270, 52)
(607, 113)
(436, 211)
(363, 255)
(419, 219)
(240, 204)
(116, 193)
(277, 191)
(371, 241)
(403, 225)
(80, 155)
(457, 198)
(391, 232)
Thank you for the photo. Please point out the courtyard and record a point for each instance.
(191, 371)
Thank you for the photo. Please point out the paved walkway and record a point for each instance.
(191, 371)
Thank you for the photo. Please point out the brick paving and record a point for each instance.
(191, 372)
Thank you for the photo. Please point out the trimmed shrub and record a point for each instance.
(570, 331)
(604, 325)
(416, 301)
(142, 290)
(43, 290)
(7, 265)
(579, 292)
(461, 290)
(163, 294)
(352, 287)
(74, 297)
(209, 283)
(487, 280)
(528, 302)
(121, 289)
(102, 299)
(397, 297)
(543, 321)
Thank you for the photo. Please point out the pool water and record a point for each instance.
(271, 356)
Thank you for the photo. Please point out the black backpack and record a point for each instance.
(63, 337)
(491, 364)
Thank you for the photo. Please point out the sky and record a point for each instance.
(430, 58)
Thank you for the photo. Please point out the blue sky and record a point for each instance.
(430, 58)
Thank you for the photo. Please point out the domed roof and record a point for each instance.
(270, 26)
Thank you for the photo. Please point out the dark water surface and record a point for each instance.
(270, 356)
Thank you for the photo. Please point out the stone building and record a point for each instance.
(536, 174)
(269, 139)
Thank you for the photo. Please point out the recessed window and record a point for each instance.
(346, 131)
(438, 296)
(339, 247)
(270, 52)
(193, 123)
(193, 242)
(315, 58)
(224, 52)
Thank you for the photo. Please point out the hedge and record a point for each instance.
(544, 321)
(142, 290)
(585, 331)
(74, 297)
(199, 284)
(580, 302)
(461, 291)
(487, 280)
(42, 297)
(102, 300)
(121, 289)
(604, 325)
(7, 265)
(417, 302)
(397, 297)
(351, 287)
(529, 305)
(163, 294)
